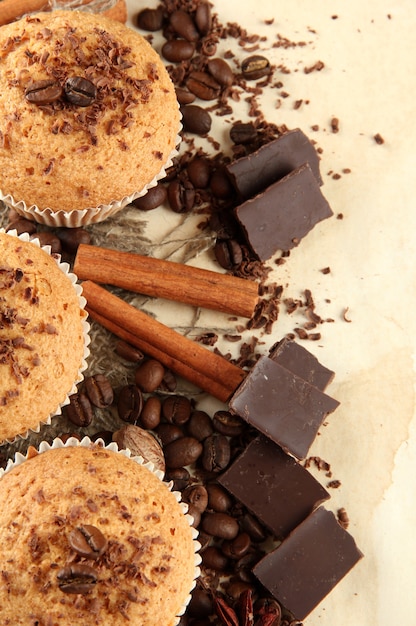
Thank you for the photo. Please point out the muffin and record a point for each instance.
(92, 536)
(44, 335)
(88, 117)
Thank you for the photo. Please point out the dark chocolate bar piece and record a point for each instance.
(277, 489)
(282, 406)
(301, 362)
(254, 172)
(309, 563)
(281, 215)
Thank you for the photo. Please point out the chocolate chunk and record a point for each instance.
(253, 173)
(279, 217)
(301, 362)
(309, 563)
(279, 491)
(282, 406)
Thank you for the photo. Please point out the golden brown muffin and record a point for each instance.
(89, 536)
(42, 336)
(103, 125)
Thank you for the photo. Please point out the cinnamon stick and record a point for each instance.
(11, 10)
(165, 279)
(207, 370)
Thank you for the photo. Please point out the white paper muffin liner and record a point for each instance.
(86, 442)
(65, 268)
(90, 215)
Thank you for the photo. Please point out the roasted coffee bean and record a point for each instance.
(180, 477)
(221, 71)
(235, 588)
(71, 238)
(255, 67)
(88, 541)
(47, 238)
(220, 525)
(128, 352)
(99, 390)
(150, 19)
(79, 410)
(228, 424)
(169, 382)
(201, 604)
(203, 85)
(220, 185)
(199, 425)
(243, 566)
(243, 133)
(199, 172)
(150, 415)
(228, 253)
(181, 196)
(184, 96)
(149, 375)
(168, 433)
(22, 225)
(176, 409)
(152, 199)
(43, 91)
(216, 453)
(219, 499)
(79, 91)
(238, 547)
(105, 435)
(183, 25)
(195, 514)
(182, 452)
(253, 527)
(195, 119)
(213, 558)
(203, 18)
(130, 403)
(77, 578)
(196, 495)
(177, 50)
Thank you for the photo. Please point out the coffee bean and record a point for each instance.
(152, 199)
(219, 499)
(150, 19)
(214, 558)
(149, 375)
(200, 604)
(237, 547)
(255, 67)
(128, 352)
(47, 238)
(181, 196)
(244, 565)
(195, 119)
(220, 185)
(228, 253)
(22, 225)
(168, 433)
(79, 410)
(199, 425)
(150, 415)
(43, 91)
(195, 514)
(176, 409)
(180, 477)
(196, 495)
(221, 71)
(203, 85)
(183, 25)
(243, 133)
(169, 382)
(184, 96)
(236, 587)
(71, 238)
(220, 525)
(216, 453)
(88, 541)
(77, 578)
(177, 50)
(99, 390)
(203, 18)
(130, 403)
(253, 527)
(79, 91)
(182, 452)
(228, 424)
(105, 435)
(199, 172)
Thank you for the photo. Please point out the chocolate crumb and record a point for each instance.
(378, 139)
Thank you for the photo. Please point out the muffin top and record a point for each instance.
(89, 536)
(42, 337)
(88, 113)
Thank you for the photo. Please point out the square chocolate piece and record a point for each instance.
(309, 563)
(301, 362)
(281, 215)
(279, 491)
(282, 406)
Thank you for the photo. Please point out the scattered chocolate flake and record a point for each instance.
(316, 67)
(345, 315)
(326, 270)
(334, 484)
(343, 518)
(207, 339)
(335, 125)
(378, 139)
